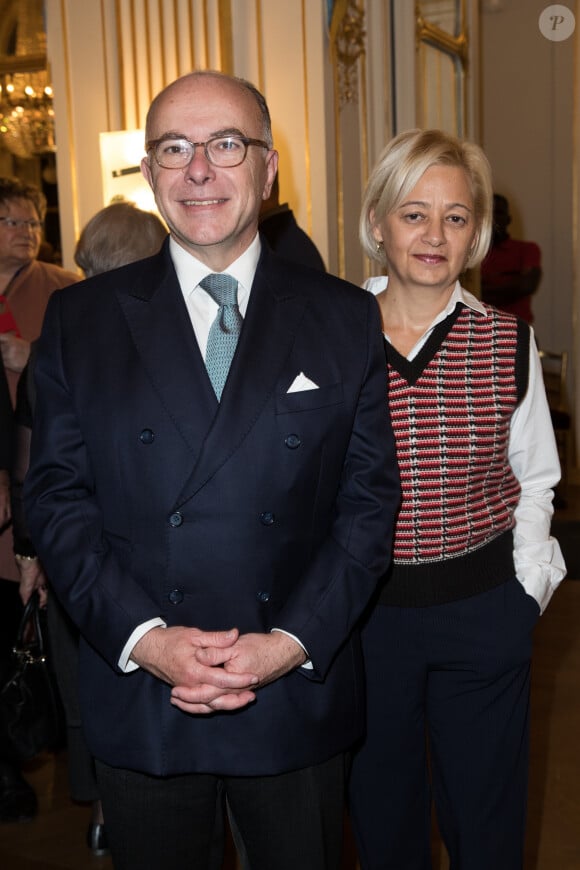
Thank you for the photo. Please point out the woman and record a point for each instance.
(448, 642)
(26, 283)
(25, 287)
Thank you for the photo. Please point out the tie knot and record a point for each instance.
(223, 289)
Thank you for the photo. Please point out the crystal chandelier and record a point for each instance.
(26, 116)
(26, 110)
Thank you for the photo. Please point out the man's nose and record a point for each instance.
(199, 168)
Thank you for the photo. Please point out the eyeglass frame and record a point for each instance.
(15, 223)
(246, 140)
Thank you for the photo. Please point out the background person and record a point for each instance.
(25, 287)
(25, 282)
(511, 271)
(120, 233)
(447, 646)
(280, 229)
(215, 535)
(17, 798)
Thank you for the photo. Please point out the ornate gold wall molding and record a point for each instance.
(348, 54)
(442, 52)
(348, 40)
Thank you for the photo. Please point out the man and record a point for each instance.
(511, 272)
(278, 226)
(216, 544)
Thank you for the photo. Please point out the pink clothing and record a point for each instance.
(29, 291)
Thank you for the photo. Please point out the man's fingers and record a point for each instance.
(204, 699)
(212, 656)
(220, 639)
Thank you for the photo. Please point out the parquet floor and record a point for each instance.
(55, 839)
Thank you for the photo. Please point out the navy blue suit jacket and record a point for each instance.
(146, 498)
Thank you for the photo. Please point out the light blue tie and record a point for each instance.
(225, 330)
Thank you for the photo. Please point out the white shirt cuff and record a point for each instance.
(307, 664)
(124, 664)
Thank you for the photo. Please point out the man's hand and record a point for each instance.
(15, 351)
(171, 654)
(270, 656)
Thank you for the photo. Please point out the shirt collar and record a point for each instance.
(377, 285)
(460, 294)
(190, 270)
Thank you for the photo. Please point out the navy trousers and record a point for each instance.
(448, 720)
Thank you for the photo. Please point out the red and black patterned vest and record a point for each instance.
(451, 409)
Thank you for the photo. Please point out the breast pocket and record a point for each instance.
(309, 400)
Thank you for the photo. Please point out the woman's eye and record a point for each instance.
(457, 219)
(413, 217)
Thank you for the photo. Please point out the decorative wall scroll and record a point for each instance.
(347, 35)
(348, 51)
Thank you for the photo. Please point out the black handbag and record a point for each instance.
(31, 711)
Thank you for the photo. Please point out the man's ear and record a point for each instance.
(146, 172)
(271, 170)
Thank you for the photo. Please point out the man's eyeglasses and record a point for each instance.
(16, 223)
(223, 151)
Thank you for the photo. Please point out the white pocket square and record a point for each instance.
(300, 383)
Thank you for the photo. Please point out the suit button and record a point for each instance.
(147, 436)
(175, 596)
(263, 597)
(175, 519)
(267, 518)
(293, 441)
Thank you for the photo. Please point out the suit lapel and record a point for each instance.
(270, 326)
(161, 329)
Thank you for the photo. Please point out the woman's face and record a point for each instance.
(429, 236)
(19, 245)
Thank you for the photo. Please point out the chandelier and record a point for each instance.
(26, 116)
(26, 110)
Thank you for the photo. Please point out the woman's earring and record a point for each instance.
(379, 246)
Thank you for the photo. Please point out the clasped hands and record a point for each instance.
(215, 670)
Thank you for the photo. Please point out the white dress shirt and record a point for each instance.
(533, 457)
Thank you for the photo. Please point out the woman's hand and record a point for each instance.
(32, 577)
(5, 509)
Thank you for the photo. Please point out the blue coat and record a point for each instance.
(146, 498)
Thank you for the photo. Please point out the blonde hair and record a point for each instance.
(398, 170)
(116, 235)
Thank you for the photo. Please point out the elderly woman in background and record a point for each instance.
(25, 282)
(448, 642)
(25, 287)
(116, 235)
